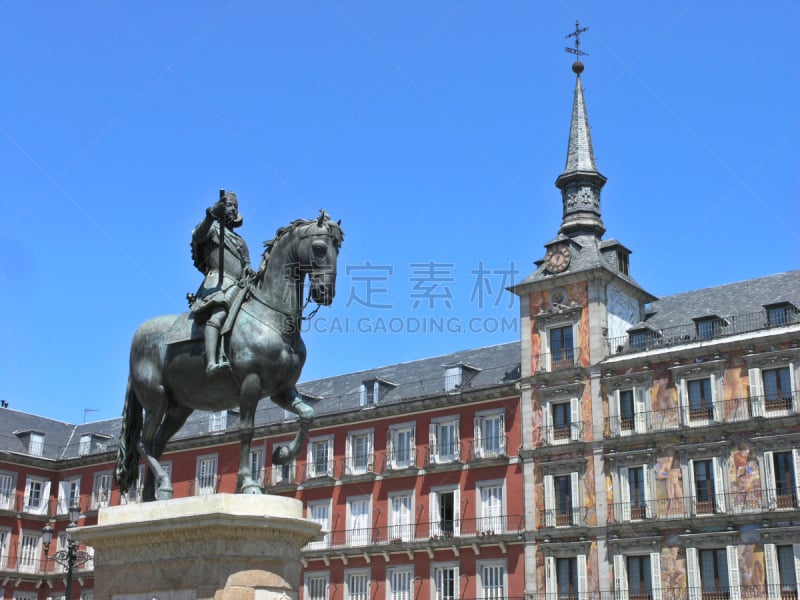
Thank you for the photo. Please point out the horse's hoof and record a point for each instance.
(252, 488)
(164, 494)
(281, 456)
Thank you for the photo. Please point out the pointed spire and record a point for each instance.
(581, 182)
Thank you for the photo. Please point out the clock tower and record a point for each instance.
(580, 300)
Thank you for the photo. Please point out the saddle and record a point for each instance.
(185, 328)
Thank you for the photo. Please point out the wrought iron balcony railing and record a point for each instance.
(562, 517)
(484, 528)
(642, 341)
(438, 454)
(554, 435)
(492, 447)
(742, 592)
(561, 360)
(399, 459)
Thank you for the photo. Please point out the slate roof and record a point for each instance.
(732, 299)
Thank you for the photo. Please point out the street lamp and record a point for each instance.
(70, 557)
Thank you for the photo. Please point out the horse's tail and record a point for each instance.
(127, 470)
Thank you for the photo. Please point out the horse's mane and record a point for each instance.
(333, 227)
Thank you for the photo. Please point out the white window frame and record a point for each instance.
(551, 575)
(365, 580)
(69, 492)
(394, 573)
(30, 551)
(770, 486)
(718, 471)
(392, 445)
(8, 490)
(85, 445)
(99, 479)
(401, 523)
(575, 424)
(351, 466)
(453, 377)
(545, 337)
(623, 481)
(311, 466)
(202, 480)
(436, 529)
(43, 486)
(257, 464)
(772, 569)
(491, 518)
(576, 498)
(5, 544)
(693, 576)
(621, 583)
(757, 363)
(714, 370)
(320, 506)
(87, 595)
(321, 576)
(359, 527)
(436, 570)
(436, 456)
(217, 421)
(489, 592)
(36, 443)
(488, 447)
(641, 408)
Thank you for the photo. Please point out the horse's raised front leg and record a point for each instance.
(248, 400)
(293, 401)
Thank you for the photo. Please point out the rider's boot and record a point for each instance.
(213, 366)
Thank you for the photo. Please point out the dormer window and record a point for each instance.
(85, 445)
(218, 421)
(457, 376)
(623, 262)
(33, 441)
(781, 314)
(374, 390)
(709, 327)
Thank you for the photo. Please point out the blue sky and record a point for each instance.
(434, 130)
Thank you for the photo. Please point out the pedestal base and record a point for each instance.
(224, 546)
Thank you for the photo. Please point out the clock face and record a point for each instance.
(557, 258)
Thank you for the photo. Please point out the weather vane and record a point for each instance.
(577, 35)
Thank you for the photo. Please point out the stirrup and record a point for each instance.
(215, 368)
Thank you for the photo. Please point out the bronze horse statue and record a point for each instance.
(168, 381)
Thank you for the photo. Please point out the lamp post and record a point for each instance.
(70, 557)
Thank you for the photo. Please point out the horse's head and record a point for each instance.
(316, 253)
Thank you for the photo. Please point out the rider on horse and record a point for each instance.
(218, 251)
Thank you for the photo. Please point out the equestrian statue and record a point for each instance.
(239, 343)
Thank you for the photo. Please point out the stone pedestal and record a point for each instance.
(221, 547)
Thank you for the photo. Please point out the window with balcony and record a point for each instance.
(491, 508)
(69, 494)
(206, 475)
(700, 399)
(359, 529)
(257, 464)
(320, 457)
(707, 486)
(401, 449)
(637, 488)
(561, 420)
(711, 572)
(317, 585)
(629, 408)
(445, 582)
(8, 485)
(359, 456)
(357, 587)
(37, 495)
(773, 382)
(401, 517)
(400, 580)
(320, 512)
(445, 441)
(565, 577)
(5, 537)
(562, 348)
(283, 474)
(777, 389)
(562, 500)
(709, 327)
(782, 567)
(780, 478)
(30, 552)
(445, 519)
(491, 580)
(490, 435)
(636, 576)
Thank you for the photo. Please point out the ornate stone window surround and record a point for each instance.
(557, 316)
(570, 393)
(757, 363)
(683, 374)
(640, 383)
